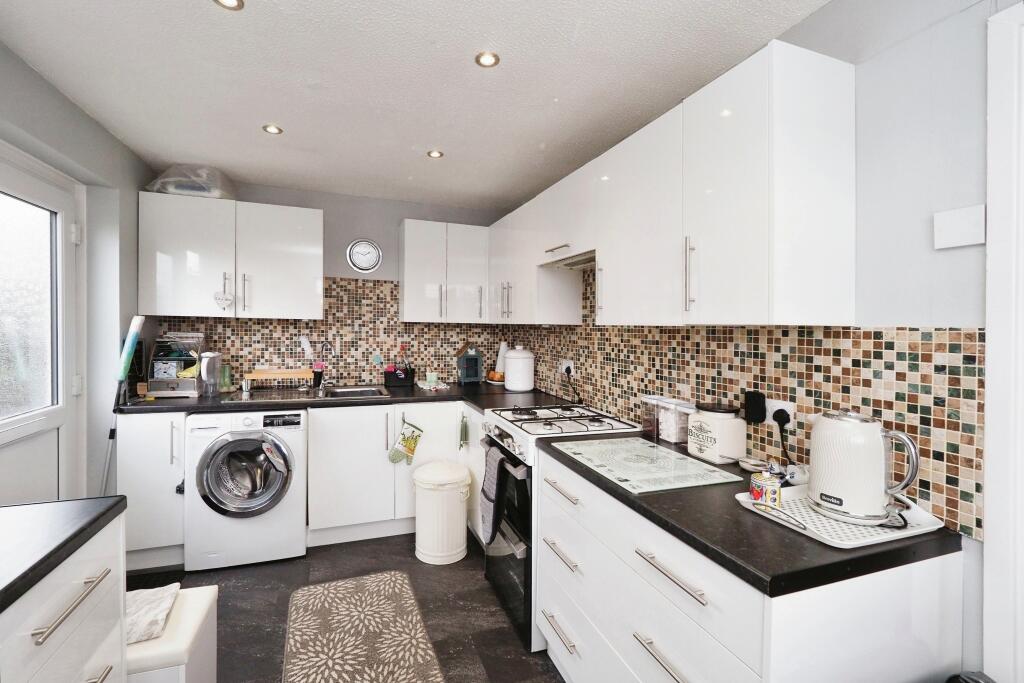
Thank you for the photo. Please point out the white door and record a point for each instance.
(726, 200)
(524, 236)
(351, 480)
(40, 291)
(466, 274)
(150, 466)
(279, 252)
(422, 271)
(640, 244)
(440, 441)
(186, 255)
(499, 240)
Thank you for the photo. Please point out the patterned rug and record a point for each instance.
(363, 630)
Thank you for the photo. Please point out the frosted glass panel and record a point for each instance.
(27, 315)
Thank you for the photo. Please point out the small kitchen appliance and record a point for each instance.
(470, 364)
(851, 458)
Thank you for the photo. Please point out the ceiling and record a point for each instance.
(363, 88)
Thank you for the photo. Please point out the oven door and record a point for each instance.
(507, 562)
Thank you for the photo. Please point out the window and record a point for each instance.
(28, 307)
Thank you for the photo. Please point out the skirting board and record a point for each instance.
(360, 532)
(148, 558)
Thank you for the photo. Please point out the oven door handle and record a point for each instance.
(518, 545)
(520, 472)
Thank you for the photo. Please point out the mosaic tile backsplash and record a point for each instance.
(927, 382)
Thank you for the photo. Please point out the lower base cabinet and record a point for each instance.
(89, 643)
(677, 616)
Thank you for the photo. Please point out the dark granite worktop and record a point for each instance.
(770, 557)
(36, 537)
(480, 396)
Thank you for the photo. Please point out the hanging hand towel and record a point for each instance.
(492, 491)
(405, 447)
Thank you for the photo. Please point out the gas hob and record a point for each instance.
(517, 429)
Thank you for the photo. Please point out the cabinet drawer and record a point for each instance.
(57, 593)
(579, 651)
(97, 643)
(729, 609)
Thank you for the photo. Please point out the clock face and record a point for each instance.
(364, 256)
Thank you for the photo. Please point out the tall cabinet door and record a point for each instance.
(498, 244)
(440, 441)
(466, 274)
(726, 195)
(280, 262)
(351, 480)
(422, 271)
(186, 255)
(640, 243)
(150, 465)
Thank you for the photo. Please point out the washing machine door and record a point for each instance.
(244, 474)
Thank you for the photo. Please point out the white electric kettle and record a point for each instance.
(851, 456)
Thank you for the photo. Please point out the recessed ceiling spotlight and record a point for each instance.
(233, 5)
(488, 59)
(604, 177)
(725, 113)
(435, 154)
(273, 129)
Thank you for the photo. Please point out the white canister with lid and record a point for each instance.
(519, 369)
(716, 433)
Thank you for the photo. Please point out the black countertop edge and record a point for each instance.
(772, 558)
(36, 537)
(480, 396)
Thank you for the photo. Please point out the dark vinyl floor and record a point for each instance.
(473, 638)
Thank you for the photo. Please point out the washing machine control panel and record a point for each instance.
(290, 420)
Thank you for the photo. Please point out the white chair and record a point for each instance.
(186, 652)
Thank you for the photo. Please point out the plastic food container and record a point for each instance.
(519, 370)
(674, 419)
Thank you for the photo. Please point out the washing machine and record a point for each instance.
(245, 488)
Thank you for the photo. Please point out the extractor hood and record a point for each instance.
(582, 261)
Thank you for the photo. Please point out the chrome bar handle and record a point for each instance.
(387, 431)
(440, 300)
(553, 249)
(573, 566)
(569, 645)
(43, 634)
(224, 283)
(694, 593)
(508, 295)
(501, 300)
(688, 250)
(480, 292)
(568, 496)
(648, 644)
(103, 676)
(245, 292)
(172, 442)
(599, 278)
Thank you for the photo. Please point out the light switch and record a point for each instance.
(959, 227)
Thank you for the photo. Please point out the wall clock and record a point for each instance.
(364, 255)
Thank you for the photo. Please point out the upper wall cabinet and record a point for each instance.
(186, 255)
(637, 218)
(442, 272)
(769, 192)
(279, 255)
(222, 258)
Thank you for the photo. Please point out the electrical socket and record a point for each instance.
(771, 405)
(565, 363)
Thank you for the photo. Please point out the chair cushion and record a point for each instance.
(172, 648)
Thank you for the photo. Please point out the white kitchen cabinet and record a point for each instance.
(150, 466)
(442, 272)
(769, 192)
(466, 273)
(637, 209)
(675, 609)
(440, 441)
(279, 261)
(499, 269)
(186, 255)
(351, 480)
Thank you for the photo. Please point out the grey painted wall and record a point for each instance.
(38, 119)
(921, 127)
(347, 218)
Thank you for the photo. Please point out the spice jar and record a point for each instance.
(717, 433)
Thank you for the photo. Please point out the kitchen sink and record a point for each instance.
(353, 392)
